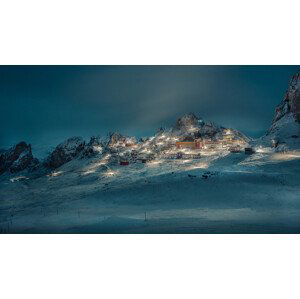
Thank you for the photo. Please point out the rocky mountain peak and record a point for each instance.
(93, 147)
(17, 158)
(115, 138)
(285, 128)
(65, 152)
(95, 141)
(187, 121)
(291, 102)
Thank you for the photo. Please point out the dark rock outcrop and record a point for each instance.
(94, 147)
(115, 138)
(192, 126)
(291, 101)
(286, 122)
(17, 158)
(65, 152)
(187, 121)
(189, 127)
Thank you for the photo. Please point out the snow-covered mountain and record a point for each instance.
(190, 125)
(284, 133)
(17, 158)
(116, 147)
(291, 102)
(65, 152)
(118, 184)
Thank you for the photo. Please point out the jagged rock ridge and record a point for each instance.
(284, 133)
(17, 158)
(118, 147)
(65, 152)
(191, 126)
(93, 147)
(291, 102)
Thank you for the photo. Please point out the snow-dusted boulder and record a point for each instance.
(65, 152)
(17, 158)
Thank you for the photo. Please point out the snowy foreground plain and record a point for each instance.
(221, 193)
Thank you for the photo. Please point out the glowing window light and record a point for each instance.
(55, 173)
(89, 171)
(287, 156)
(110, 173)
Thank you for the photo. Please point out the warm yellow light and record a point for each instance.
(154, 163)
(55, 173)
(200, 165)
(110, 173)
(286, 156)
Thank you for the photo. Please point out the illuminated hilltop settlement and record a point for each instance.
(194, 177)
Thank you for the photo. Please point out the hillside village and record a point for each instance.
(182, 177)
(190, 138)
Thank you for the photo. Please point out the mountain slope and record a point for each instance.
(117, 148)
(86, 190)
(284, 133)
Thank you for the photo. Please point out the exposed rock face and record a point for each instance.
(189, 127)
(115, 139)
(94, 147)
(118, 140)
(284, 132)
(95, 141)
(187, 121)
(291, 101)
(65, 152)
(209, 129)
(17, 158)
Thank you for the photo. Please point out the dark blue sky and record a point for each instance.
(46, 104)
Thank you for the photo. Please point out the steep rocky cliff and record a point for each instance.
(291, 102)
(284, 133)
(17, 158)
(65, 152)
(192, 126)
